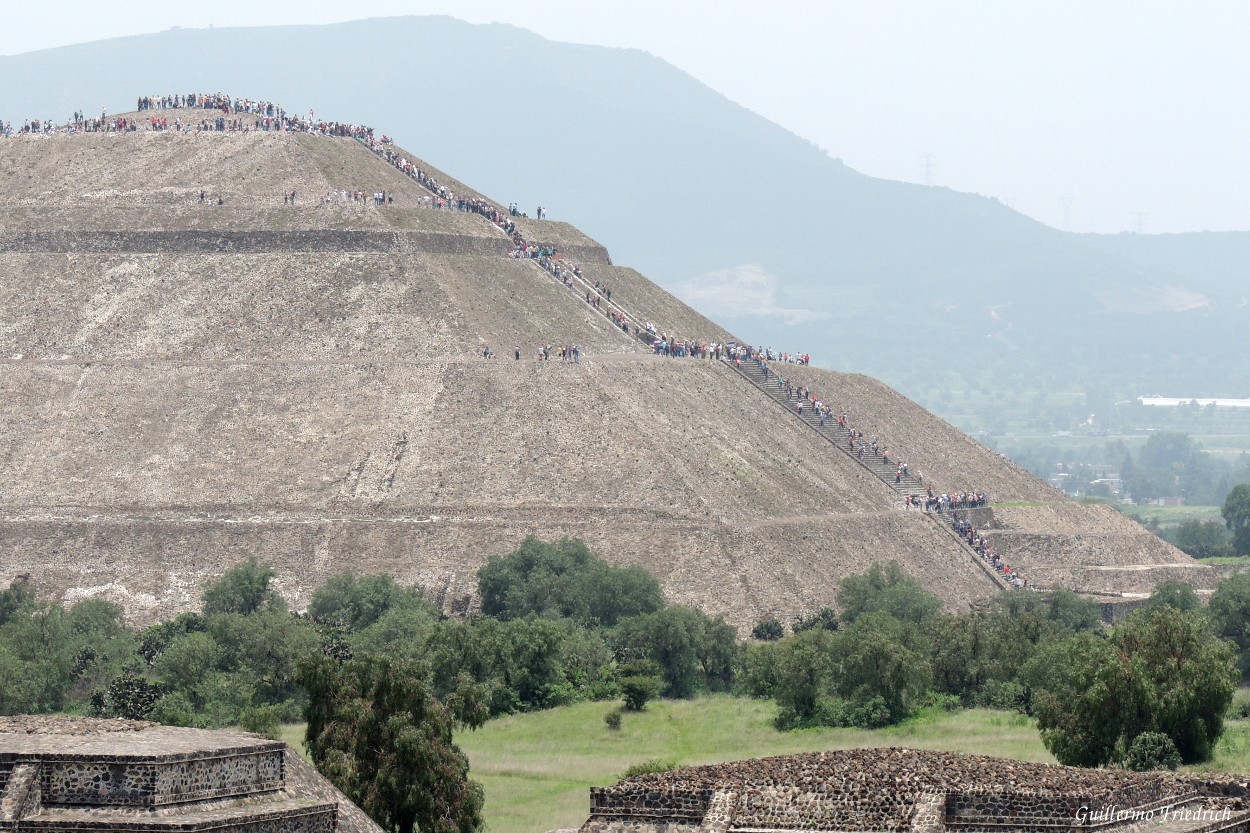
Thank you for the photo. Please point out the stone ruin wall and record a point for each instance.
(895, 790)
(676, 803)
(64, 774)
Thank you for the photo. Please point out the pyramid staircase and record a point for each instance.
(874, 461)
(151, 781)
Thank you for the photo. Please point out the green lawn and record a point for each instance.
(293, 735)
(1168, 516)
(537, 769)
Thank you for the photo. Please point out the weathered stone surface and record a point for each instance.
(905, 789)
(64, 774)
(186, 384)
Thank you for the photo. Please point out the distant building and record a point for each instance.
(1172, 402)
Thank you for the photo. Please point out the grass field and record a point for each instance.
(537, 769)
(1169, 516)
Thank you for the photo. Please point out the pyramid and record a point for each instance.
(196, 370)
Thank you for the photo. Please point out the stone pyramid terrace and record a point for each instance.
(911, 790)
(77, 774)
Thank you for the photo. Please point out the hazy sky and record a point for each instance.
(1129, 112)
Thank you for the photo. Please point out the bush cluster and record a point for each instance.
(559, 625)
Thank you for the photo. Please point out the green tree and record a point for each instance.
(804, 672)
(694, 652)
(870, 673)
(1172, 593)
(187, 665)
(564, 579)
(243, 589)
(1229, 610)
(640, 682)
(155, 639)
(1202, 539)
(882, 658)
(1161, 671)
(54, 658)
(1236, 512)
(378, 734)
(18, 596)
(958, 654)
(887, 589)
(1073, 698)
(1172, 463)
(359, 601)
(262, 651)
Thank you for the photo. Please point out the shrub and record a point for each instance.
(640, 683)
(825, 619)
(262, 720)
(651, 767)
(873, 713)
(945, 702)
(768, 629)
(613, 720)
(128, 696)
(1004, 695)
(1152, 750)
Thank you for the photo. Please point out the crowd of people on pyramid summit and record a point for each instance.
(218, 112)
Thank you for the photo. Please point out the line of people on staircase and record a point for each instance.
(810, 406)
(966, 530)
(663, 344)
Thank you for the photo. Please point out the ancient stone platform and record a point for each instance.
(76, 774)
(911, 790)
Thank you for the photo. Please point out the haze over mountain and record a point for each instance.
(757, 228)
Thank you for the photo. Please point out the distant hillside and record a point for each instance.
(928, 288)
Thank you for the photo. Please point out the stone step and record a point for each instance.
(288, 815)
